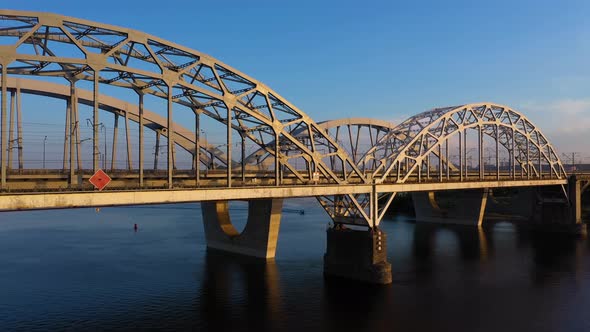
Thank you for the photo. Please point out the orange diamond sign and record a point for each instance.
(100, 179)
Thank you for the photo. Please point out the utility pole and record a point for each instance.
(89, 122)
(571, 157)
(44, 141)
(104, 159)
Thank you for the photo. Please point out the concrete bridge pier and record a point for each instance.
(259, 237)
(575, 196)
(358, 255)
(464, 207)
(555, 213)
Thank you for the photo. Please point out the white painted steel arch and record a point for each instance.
(35, 44)
(44, 44)
(185, 138)
(403, 151)
(351, 129)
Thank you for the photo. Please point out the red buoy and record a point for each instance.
(135, 227)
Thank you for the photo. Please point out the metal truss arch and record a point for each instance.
(185, 138)
(357, 136)
(292, 149)
(44, 44)
(354, 135)
(404, 151)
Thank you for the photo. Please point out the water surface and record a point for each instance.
(87, 270)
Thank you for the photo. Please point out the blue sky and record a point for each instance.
(387, 59)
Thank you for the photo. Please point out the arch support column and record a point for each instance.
(259, 238)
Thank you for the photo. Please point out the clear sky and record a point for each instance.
(386, 59)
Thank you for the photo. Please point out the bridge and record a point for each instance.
(175, 101)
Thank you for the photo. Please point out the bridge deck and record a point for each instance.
(50, 200)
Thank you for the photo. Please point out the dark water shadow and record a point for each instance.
(354, 306)
(474, 243)
(239, 293)
(549, 252)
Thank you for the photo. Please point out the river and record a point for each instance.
(89, 270)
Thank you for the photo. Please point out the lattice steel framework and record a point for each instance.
(406, 150)
(357, 136)
(210, 155)
(347, 132)
(43, 44)
(291, 144)
(418, 150)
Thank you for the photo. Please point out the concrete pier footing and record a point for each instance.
(555, 213)
(259, 238)
(540, 208)
(357, 255)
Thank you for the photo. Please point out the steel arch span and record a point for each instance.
(44, 44)
(347, 132)
(406, 151)
(354, 178)
(419, 150)
(185, 138)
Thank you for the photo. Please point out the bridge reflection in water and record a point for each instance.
(457, 276)
(94, 272)
(257, 283)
